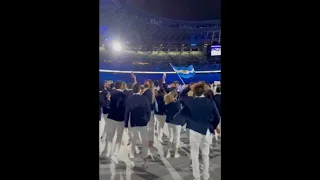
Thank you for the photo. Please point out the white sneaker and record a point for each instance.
(137, 150)
(114, 159)
(132, 164)
(102, 139)
(145, 164)
(131, 155)
(168, 155)
(176, 155)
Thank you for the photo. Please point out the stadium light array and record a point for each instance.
(116, 46)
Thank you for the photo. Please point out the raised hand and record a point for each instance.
(134, 77)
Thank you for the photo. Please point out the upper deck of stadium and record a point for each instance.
(131, 24)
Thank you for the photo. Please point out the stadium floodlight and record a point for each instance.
(116, 46)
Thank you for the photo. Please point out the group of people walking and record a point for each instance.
(143, 110)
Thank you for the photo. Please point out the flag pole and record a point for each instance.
(177, 74)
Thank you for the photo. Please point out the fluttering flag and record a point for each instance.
(184, 72)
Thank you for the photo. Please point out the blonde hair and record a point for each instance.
(174, 94)
(168, 98)
(124, 85)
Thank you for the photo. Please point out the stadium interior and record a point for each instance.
(132, 39)
(136, 45)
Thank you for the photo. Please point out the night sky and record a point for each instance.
(192, 10)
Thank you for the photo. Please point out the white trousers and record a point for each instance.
(137, 133)
(151, 127)
(160, 119)
(112, 128)
(202, 142)
(105, 120)
(174, 134)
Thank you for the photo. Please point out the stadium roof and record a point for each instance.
(188, 10)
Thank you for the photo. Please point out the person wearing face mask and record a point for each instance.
(217, 99)
(102, 103)
(165, 86)
(204, 118)
(148, 92)
(150, 95)
(105, 103)
(177, 86)
(115, 122)
(160, 113)
(105, 94)
(138, 110)
(172, 107)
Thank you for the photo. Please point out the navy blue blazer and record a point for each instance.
(165, 87)
(171, 110)
(139, 109)
(217, 99)
(203, 112)
(148, 95)
(182, 117)
(105, 101)
(117, 106)
(128, 93)
(100, 109)
(161, 106)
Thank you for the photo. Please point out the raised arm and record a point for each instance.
(185, 91)
(164, 85)
(134, 78)
(183, 96)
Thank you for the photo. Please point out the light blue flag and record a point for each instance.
(184, 72)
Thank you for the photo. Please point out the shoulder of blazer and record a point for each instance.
(144, 98)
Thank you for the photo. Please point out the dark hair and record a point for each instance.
(199, 89)
(218, 89)
(209, 94)
(151, 86)
(161, 92)
(149, 82)
(129, 86)
(136, 88)
(118, 84)
(156, 83)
